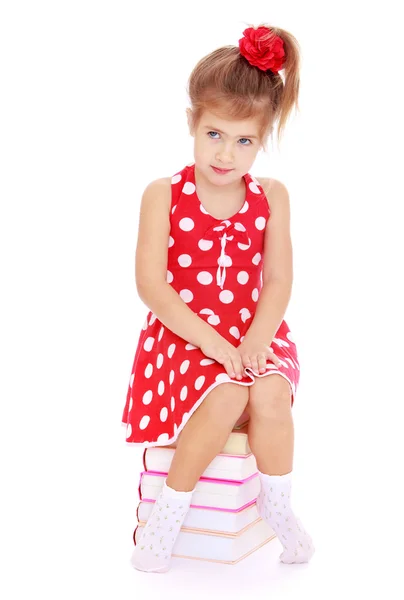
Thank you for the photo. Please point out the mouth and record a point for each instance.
(221, 171)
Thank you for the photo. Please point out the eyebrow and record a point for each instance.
(219, 131)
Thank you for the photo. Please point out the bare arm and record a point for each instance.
(278, 267)
(173, 312)
(151, 269)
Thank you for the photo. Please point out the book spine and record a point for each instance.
(172, 451)
(139, 489)
(215, 508)
(208, 479)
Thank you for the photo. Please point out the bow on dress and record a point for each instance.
(226, 231)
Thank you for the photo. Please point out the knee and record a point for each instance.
(227, 401)
(275, 405)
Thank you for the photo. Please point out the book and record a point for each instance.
(222, 524)
(224, 466)
(237, 442)
(209, 519)
(217, 546)
(215, 493)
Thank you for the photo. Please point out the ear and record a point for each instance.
(189, 118)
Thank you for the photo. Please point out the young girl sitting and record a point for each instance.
(214, 265)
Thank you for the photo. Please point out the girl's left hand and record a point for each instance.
(254, 353)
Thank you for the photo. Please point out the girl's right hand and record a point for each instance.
(226, 354)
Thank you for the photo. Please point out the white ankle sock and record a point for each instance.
(274, 506)
(153, 550)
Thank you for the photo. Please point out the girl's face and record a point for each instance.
(225, 144)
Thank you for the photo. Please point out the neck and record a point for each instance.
(230, 189)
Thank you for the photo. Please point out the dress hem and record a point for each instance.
(197, 404)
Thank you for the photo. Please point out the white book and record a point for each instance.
(236, 443)
(223, 466)
(213, 493)
(216, 547)
(212, 520)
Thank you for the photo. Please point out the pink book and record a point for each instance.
(213, 493)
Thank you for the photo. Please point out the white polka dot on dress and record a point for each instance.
(205, 245)
(260, 223)
(184, 366)
(204, 278)
(144, 422)
(226, 296)
(187, 224)
(189, 188)
(199, 382)
(187, 296)
(148, 345)
(245, 208)
(147, 397)
(242, 277)
(184, 260)
(176, 178)
(254, 188)
(234, 331)
(257, 259)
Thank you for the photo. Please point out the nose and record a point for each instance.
(225, 155)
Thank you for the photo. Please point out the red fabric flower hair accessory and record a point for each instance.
(262, 49)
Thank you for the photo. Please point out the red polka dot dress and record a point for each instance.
(216, 268)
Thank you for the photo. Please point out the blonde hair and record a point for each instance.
(224, 82)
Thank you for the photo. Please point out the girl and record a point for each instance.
(214, 265)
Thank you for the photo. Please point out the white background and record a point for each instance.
(92, 109)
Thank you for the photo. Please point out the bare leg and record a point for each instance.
(205, 434)
(271, 440)
(202, 438)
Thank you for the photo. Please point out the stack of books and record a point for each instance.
(222, 524)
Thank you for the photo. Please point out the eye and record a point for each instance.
(216, 133)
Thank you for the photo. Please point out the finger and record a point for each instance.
(254, 362)
(272, 356)
(230, 367)
(238, 366)
(241, 366)
(246, 360)
(262, 363)
(225, 361)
